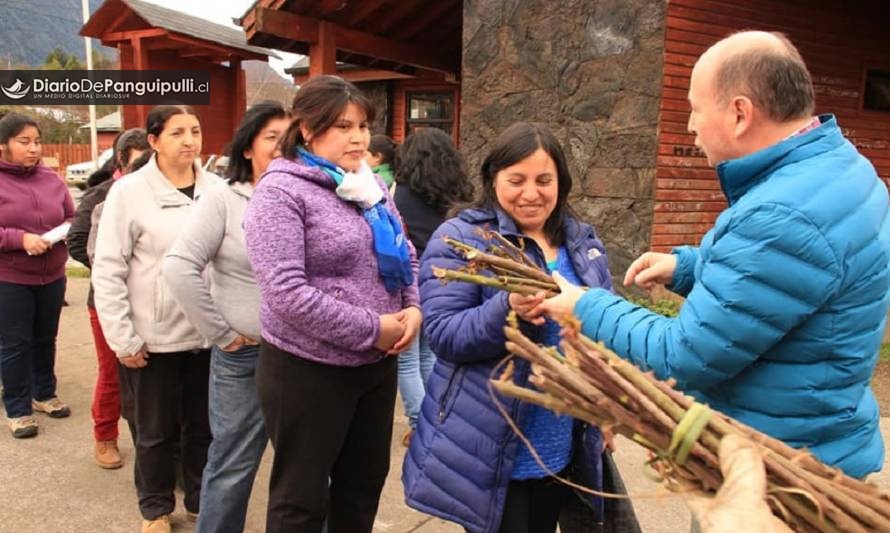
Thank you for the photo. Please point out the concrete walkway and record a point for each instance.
(50, 483)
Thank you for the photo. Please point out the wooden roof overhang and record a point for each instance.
(394, 35)
(353, 73)
(149, 27)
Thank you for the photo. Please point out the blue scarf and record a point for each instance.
(390, 244)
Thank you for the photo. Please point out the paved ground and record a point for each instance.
(50, 483)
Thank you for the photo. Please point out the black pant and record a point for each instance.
(331, 428)
(128, 399)
(533, 506)
(29, 323)
(171, 406)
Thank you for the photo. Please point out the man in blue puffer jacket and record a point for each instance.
(787, 295)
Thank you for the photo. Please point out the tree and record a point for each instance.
(59, 59)
(102, 61)
(52, 130)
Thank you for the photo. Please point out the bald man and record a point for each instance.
(786, 296)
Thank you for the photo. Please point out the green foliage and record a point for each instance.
(669, 308)
(54, 131)
(102, 61)
(59, 59)
(884, 354)
(61, 132)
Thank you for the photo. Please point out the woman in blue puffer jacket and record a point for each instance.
(464, 463)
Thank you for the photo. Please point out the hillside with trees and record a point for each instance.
(31, 29)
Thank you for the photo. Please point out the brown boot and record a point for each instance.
(107, 455)
(160, 524)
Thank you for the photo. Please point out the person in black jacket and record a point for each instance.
(107, 397)
(431, 178)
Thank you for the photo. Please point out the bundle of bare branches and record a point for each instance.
(504, 266)
(592, 383)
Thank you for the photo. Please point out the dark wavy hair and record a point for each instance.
(317, 105)
(122, 148)
(383, 146)
(126, 142)
(102, 174)
(429, 165)
(240, 169)
(517, 142)
(141, 161)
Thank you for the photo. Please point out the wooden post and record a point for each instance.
(140, 62)
(240, 92)
(323, 54)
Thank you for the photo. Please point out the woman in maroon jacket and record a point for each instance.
(33, 200)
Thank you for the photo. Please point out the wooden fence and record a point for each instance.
(67, 154)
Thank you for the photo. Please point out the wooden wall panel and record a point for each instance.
(687, 193)
(220, 118)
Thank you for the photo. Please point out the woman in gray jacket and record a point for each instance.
(227, 311)
(165, 355)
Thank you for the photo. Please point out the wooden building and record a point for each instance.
(410, 51)
(150, 37)
(107, 128)
(406, 102)
(846, 48)
(610, 78)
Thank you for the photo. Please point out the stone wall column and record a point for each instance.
(589, 69)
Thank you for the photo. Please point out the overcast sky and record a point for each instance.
(222, 12)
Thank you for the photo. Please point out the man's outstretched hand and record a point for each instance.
(651, 268)
(563, 304)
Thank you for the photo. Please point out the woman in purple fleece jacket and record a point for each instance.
(338, 301)
(33, 200)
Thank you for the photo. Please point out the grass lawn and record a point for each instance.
(77, 272)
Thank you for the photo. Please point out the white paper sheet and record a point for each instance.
(57, 233)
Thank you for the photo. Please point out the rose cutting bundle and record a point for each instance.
(589, 382)
(504, 266)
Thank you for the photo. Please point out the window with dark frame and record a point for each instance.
(429, 110)
(877, 90)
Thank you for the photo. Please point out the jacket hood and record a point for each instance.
(20, 171)
(298, 168)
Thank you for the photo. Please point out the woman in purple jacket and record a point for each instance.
(33, 200)
(338, 301)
